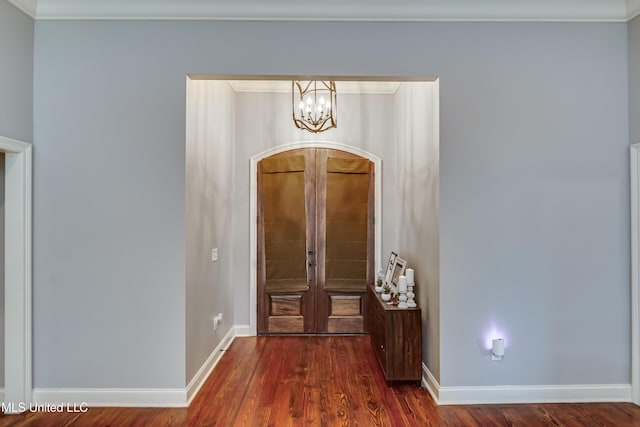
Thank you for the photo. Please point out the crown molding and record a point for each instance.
(29, 7)
(633, 9)
(337, 10)
(343, 87)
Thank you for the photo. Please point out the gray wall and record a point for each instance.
(534, 205)
(634, 80)
(16, 73)
(16, 107)
(109, 211)
(209, 190)
(533, 188)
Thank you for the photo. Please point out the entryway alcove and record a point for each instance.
(233, 124)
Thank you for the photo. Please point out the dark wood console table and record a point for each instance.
(396, 337)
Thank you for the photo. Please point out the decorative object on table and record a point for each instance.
(389, 273)
(399, 266)
(410, 284)
(411, 302)
(402, 288)
(379, 282)
(386, 293)
(314, 105)
(410, 275)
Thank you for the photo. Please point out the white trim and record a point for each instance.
(207, 367)
(633, 9)
(581, 393)
(253, 211)
(96, 397)
(17, 279)
(253, 249)
(605, 18)
(370, 87)
(494, 11)
(243, 331)
(401, 10)
(29, 7)
(635, 271)
(430, 383)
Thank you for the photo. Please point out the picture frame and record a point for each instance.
(399, 266)
(389, 272)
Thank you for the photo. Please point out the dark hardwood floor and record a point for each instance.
(324, 381)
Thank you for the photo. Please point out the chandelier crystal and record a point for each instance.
(314, 105)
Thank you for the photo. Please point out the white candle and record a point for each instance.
(402, 284)
(409, 274)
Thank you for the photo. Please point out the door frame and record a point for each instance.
(17, 277)
(635, 271)
(253, 211)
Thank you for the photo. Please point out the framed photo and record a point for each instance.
(389, 273)
(398, 270)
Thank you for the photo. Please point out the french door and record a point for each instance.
(315, 241)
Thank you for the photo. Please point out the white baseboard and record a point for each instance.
(535, 394)
(581, 393)
(129, 397)
(205, 370)
(244, 331)
(430, 383)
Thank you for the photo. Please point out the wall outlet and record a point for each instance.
(217, 320)
(214, 254)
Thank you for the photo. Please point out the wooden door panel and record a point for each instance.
(345, 325)
(344, 239)
(285, 314)
(286, 305)
(286, 209)
(286, 324)
(346, 315)
(346, 305)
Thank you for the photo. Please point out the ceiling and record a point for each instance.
(338, 10)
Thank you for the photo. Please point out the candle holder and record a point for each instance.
(403, 300)
(402, 290)
(410, 296)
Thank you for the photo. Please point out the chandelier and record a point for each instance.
(314, 105)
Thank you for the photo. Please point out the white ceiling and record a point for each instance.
(341, 10)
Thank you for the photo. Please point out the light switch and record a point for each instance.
(214, 254)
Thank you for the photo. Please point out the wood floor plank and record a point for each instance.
(324, 381)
